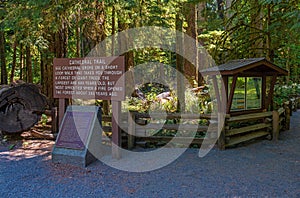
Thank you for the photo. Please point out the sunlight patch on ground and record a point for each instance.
(28, 149)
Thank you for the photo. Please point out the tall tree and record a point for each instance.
(190, 68)
(3, 57)
(2, 44)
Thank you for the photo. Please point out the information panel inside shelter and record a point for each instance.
(89, 78)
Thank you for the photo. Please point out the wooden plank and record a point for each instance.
(244, 138)
(236, 131)
(166, 139)
(174, 116)
(250, 116)
(108, 118)
(184, 127)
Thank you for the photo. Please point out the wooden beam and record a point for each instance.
(225, 81)
(246, 129)
(250, 136)
(229, 102)
(249, 116)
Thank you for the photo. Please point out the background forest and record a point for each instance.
(33, 32)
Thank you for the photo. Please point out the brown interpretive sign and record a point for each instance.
(75, 130)
(89, 78)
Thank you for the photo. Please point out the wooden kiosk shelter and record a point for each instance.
(249, 85)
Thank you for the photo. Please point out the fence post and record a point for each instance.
(290, 106)
(54, 119)
(276, 127)
(221, 140)
(131, 129)
(287, 117)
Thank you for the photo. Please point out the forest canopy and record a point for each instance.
(33, 32)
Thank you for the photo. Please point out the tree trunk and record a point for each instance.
(220, 4)
(113, 30)
(21, 62)
(3, 58)
(228, 5)
(180, 65)
(28, 64)
(200, 8)
(123, 43)
(13, 68)
(287, 66)
(78, 32)
(269, 47)
(191, 48)
(94, 30)
(256, 29)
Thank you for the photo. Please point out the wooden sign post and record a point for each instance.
(92, 78)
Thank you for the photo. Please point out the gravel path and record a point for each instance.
(263, 169)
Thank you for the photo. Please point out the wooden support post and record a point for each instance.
(116, 131)
(229, 102)
(54, 120)
(276, 126)
(287, 117)
(131, 129)
(61, 110)
(290, 107)
(221, 140)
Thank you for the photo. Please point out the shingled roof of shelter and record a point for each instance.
(241, 65)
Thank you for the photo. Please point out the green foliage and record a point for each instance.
(44, 119)
(283, 93)
(235, 35)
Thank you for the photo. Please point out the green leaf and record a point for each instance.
(10, 147)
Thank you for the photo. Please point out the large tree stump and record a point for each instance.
(21, 106)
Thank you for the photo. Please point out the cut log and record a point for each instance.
(20, 107)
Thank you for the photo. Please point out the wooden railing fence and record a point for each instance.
(141, 130)
(237, 129)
